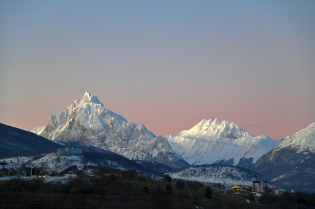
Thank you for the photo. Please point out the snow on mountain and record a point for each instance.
(88, 121)
(52, 164)
(301, 139)
(216, 128)
(227, 175)
(291, 163)
(220, 142)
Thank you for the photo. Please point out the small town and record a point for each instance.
(254, 195)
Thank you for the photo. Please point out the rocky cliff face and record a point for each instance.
(88, 121)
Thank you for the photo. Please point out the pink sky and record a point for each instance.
(166, 64)
(171, 117)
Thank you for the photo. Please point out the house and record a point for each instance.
(275, 191)
(68, 151)
(260, 186)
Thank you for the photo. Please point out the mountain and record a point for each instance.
(227, 175)
(17, 142)
(47, 163)
(291, 164)
(21, 148)
(87, 120)
(220, 142)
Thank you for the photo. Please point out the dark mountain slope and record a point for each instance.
(291, 164)
(14, 142)
(17, 142)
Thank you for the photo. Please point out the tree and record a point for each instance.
(112, 178)
(146, 190)
(208, 192)
(180, 184)
(168, 189)
(167, 178)
(194, 185)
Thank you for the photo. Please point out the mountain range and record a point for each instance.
(288, 163)
(23, 148)
(220, 142)
(210, 141)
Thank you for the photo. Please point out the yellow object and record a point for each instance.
(236, 187)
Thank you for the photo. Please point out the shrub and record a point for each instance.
(180, 184)
(168, 178)
(194, 185)
(183, 195)
(129, 174)
(208, 192)
(168, 189)
(112, 178)
(146, 190)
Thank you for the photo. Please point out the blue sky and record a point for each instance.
(166, 64)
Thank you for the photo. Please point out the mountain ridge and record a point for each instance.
(291, 162)
(88, 121)
(220, 142)
(222, 174)
(17, 142)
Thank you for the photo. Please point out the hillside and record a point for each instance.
(227, 175)
(14, 142)
(291, 162)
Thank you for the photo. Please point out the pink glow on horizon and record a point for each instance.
(163, 120)
(166, 64)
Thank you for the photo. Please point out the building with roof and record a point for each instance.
(260, 186)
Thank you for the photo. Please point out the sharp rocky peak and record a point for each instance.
(216, 122)
(88, 97)
(218, 127)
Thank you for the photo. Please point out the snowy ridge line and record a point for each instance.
(56, 164)
(228, 166)
(88, 121)
(216, 141)
(303, 138)
(292, 161)
(227, 175)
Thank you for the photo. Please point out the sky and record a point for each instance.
(166, 64)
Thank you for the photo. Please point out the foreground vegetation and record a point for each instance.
(126, 189)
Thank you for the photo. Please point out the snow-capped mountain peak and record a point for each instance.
(304, 137)
(217, 127)
(88, 121)
(292, 161)
(221, 142)
(88, 97)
